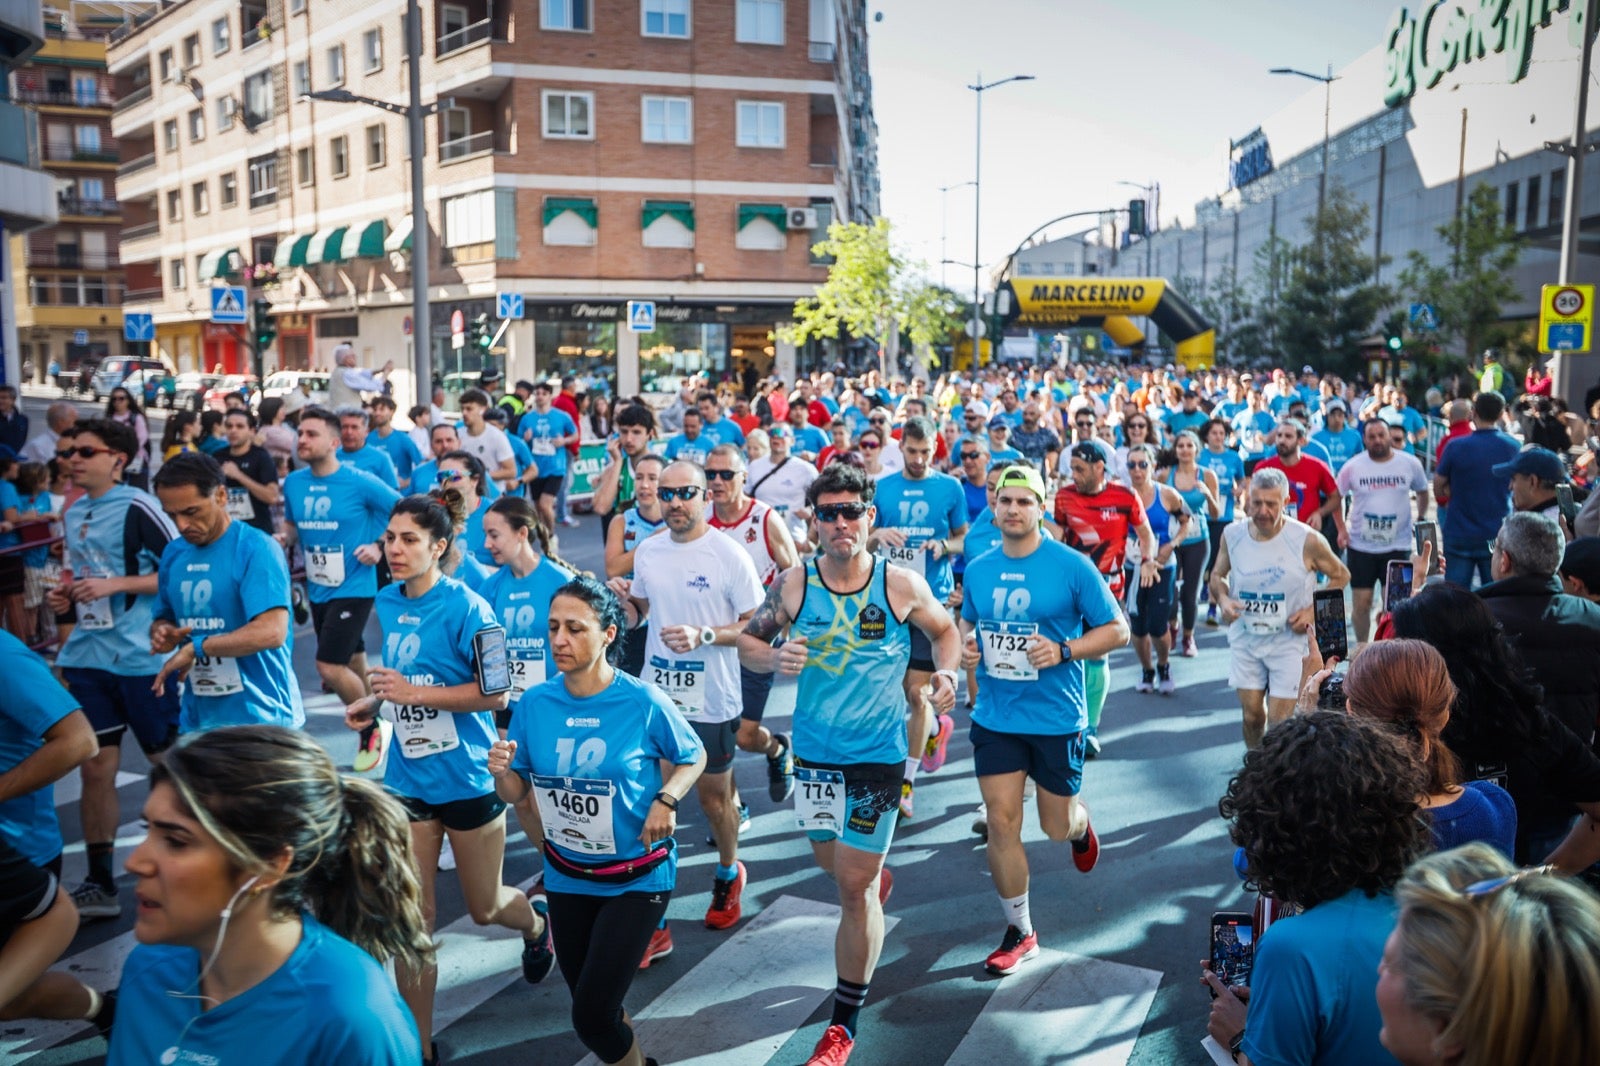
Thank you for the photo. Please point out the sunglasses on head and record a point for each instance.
(84, 451)
(722, 475)
(687, 492)
(447, 477)
(832, 512)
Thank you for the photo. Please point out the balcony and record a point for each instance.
(65, 97)
(821, 51)
(133, 166)
(77, 205)
(462, 147)
(72, 260)
(132, 98)
(57, 152)
(465, 37)
(144, 296)
(137, 233)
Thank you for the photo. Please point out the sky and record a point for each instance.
(1126, 90)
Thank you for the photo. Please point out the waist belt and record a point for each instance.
(611, 873)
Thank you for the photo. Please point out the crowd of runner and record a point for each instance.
(919, 557)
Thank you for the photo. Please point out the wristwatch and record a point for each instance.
(1066, 652)
(1236, 1045)
(708, 636)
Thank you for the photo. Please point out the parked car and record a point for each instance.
(114, 369)
(160, 383)
(285, 382)
(192, 387)
(231, 383)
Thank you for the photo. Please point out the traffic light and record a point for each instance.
(1136, 219)
(265, 331)
(482, 333)
(1395, 343)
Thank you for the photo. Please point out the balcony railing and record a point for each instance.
(77, 205)
(143, 296)
(65, 97)
(141, 231)
(134, 22)
(133, 97)
(133, 166)
(461, 147)
(68, 153)
(70, 260)
(821, 51)
(456, 40)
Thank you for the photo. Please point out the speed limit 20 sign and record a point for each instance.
(1566, 318)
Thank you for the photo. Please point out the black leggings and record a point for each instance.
(618, 930)
(1191, 559)
(1215, 526)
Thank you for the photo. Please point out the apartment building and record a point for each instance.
(578, 153)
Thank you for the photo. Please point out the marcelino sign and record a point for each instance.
(1053, 300)
(1422, 50)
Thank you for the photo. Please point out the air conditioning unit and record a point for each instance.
(802, 218)
(230, 106)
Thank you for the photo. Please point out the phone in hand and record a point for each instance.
(1428, 532)
(1328, 615)
(1397, 583)
(1565, 505)
(1233, 948)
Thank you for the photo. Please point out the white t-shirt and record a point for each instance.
(1380, 500)
(490, 446)
(893, 459)
(783, 488)
(708, 581)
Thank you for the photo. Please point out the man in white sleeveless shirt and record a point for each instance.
(1263, 580)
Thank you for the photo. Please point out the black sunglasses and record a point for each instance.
(687, 492)
(967, 457)
(85, 452)
(722, 475)
(834, 511)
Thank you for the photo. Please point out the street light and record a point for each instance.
(977, 206)
(414, 111)
(944, 225)
(1327, 81)
(1152, 194)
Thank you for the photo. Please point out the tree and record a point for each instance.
(1331, 297)
(1470, 293)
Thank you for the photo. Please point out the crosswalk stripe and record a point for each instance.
(735, 1005)
(70, 788)
(100, 967)
(1062, 1008)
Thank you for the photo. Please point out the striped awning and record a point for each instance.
(326, 244)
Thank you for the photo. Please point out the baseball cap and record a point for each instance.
(1335, 404)
(998, 423)
(1088, 451)
(1542, 463)
(490, 375)
(1582, 561)
(976, 407)
(1022, 477)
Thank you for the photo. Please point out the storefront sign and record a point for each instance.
(1250, 159)
(1422, 50)
(666, 313)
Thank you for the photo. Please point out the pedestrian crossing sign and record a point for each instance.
(227, 305)
(641, 316)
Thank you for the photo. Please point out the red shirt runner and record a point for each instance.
(1310, 482)
(1099, 526)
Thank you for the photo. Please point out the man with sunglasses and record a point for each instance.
(695, 589)
(851, 617)
(115, 535)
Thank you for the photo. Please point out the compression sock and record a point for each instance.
(727, 873)
(847, 1000)
(1096, 683)
(911, 767)
(1017, 913)
(100, 856)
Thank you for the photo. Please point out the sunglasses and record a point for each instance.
(868, 446)
(722, 475)
(879, 421)
(85, 452)
(447, 477)
(967, 457)
(1495, 884)
(687, 492)
(1138, 466)
(834, 511)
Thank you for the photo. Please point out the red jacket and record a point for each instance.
(565, 402)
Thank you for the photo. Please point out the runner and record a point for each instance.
(444, 670)
(547, 430)
(250, 473)
(461, 471)
(115, 535)
(760, 530)
(696, 588)
(636, 425)
(486, 443)
(1315, 495)
(355, 452)
(1228, 470)
(1379, 483)
(692, 445)
(590, 745)
(1098, 518)
(1201, 494)
(1150, 605)
(1262, 583)
(222, 608)
(399, 447)
(1032, 610)
(851, 615)
(643, 518)
(781, 479)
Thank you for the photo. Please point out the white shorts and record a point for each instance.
(1271, 666)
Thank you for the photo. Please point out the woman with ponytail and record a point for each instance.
(270, 891)
(630, 528)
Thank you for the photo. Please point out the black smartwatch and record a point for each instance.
(1236, 1045)
(1066, 652)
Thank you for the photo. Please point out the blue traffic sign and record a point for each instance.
(138, 326)
(641, 316)
(509, 305)
(1564, 337)
(1424, 317)
(228, 305)
(80, 337)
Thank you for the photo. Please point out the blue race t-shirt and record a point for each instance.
(217, 589)
(33, 705)
(9, 501)
(1054, 592)
(1340, 446)
(723, 431)
(523, 606)
(540, 430)
(928, 508)
(374, 461)
(1479, 501)
(333, 516)
(120, 534)
(810, 439)
(610, 744)
(402, 452)
(329, 1002)
(1254, 431)
(1229, 469)
(697, 450)
(472, 536)
(438, 756)
(982, 537)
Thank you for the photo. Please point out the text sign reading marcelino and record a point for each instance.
(1048, 300)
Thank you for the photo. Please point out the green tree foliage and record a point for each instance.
(1331, 297)
(1471, 291)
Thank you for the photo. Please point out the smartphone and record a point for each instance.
(494, 667)
(1565, 505)
(1233, 947)
(1396, 583)
(1428, 530)
(1328, 611)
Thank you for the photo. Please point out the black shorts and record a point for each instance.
(27, 892)
(921, 652)
(872, 804)
(719, 739)
(1368, 568)
(1055, 762)
(754, 688)
(460, 815)
(633, 644)
(546, 486)
(114, 703)
(339, 624)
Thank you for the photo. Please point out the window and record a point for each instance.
(86, 138)
(564, 14)
(200, 198)
(226, 105)
(166, 64)
(566, 115)
(228, 189)
(469, 219)
(263, 180)
(197, 124)
(667, 224)
(169, 135)
(372, 50)
(174, 205)
(302, 77)
(762, 228)
(1558, 197)
(180, 275)
(664, 18)
(258, 98)
(1511, 203)
(453, 18)
(339, 156)
(86, 90)
(221, 39)
(305, 166)
(1531, 219)
(296, 6)
(759, 22)
(91, 189)
(191, 51)
(336, 65)
(668, 120)
(760, 124)
(376, 154)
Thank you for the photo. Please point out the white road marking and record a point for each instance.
(100, 967)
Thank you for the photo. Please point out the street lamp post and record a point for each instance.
(944, 226)
(979, 88)
(1151, 215)
(1327, 81)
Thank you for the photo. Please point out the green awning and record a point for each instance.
(583, 207)
(776, 214)
(682, 210)
(399, 239)
(222, 263)
(292, 252)
(364, 241)
(325, 245)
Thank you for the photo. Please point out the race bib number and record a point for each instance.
(239, 505)
(1005, 649)
(819, 800)
(424, 731)
(527, 671)
(96, 614)
(1379, 528)
(914, 559)
(325, 566)
(1263, 612)
(542, 446)
(684, 681)
(213, 676)
(577, 813)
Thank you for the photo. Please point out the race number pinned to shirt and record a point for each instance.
(542, 446)
(424, 731)
(95, 614)
(214, 676)
(527, 671)
(1005, 649)
(1379, 528)
(1263, 612)
(912, 557)
(819, 799)
(577, 813)
(683, 680)
(239, 505)
(325, 565)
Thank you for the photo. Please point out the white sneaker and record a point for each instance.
(447, 856)
(980, 822)
(1147, 683)
(1167, 686)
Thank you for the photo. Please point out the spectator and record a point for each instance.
(1534, 473)
(1490, 965)
(1479, 501)
(13, 423)
(348, 381)
(1458, 413)
(1580, 568)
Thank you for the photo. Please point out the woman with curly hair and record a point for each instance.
(1327, 813)
(1489, 965)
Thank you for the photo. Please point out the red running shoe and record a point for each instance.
(1086, 852)
(724, 910)
(934, 754)
(660, 947)
(833, 1049)
(1014, 950)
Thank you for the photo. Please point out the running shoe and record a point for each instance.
(724, 910)
(1014, 950)
(104, 1018)
(95, 901)
(1147, 683)
(907, 804)
(301, 605)
(885, 885)
(1086, 852)
(1091, 744)
(538, 954)
(659, 948)
(833, 1049)
(447, 856)
(780, 770)
(1189, 649)
(934, 754)
(1211, 616)
(370, 746)
(980, 822)
(1166, 687)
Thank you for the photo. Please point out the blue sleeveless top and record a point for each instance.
(1160, 520)
(635, 528)
(1195, 498)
